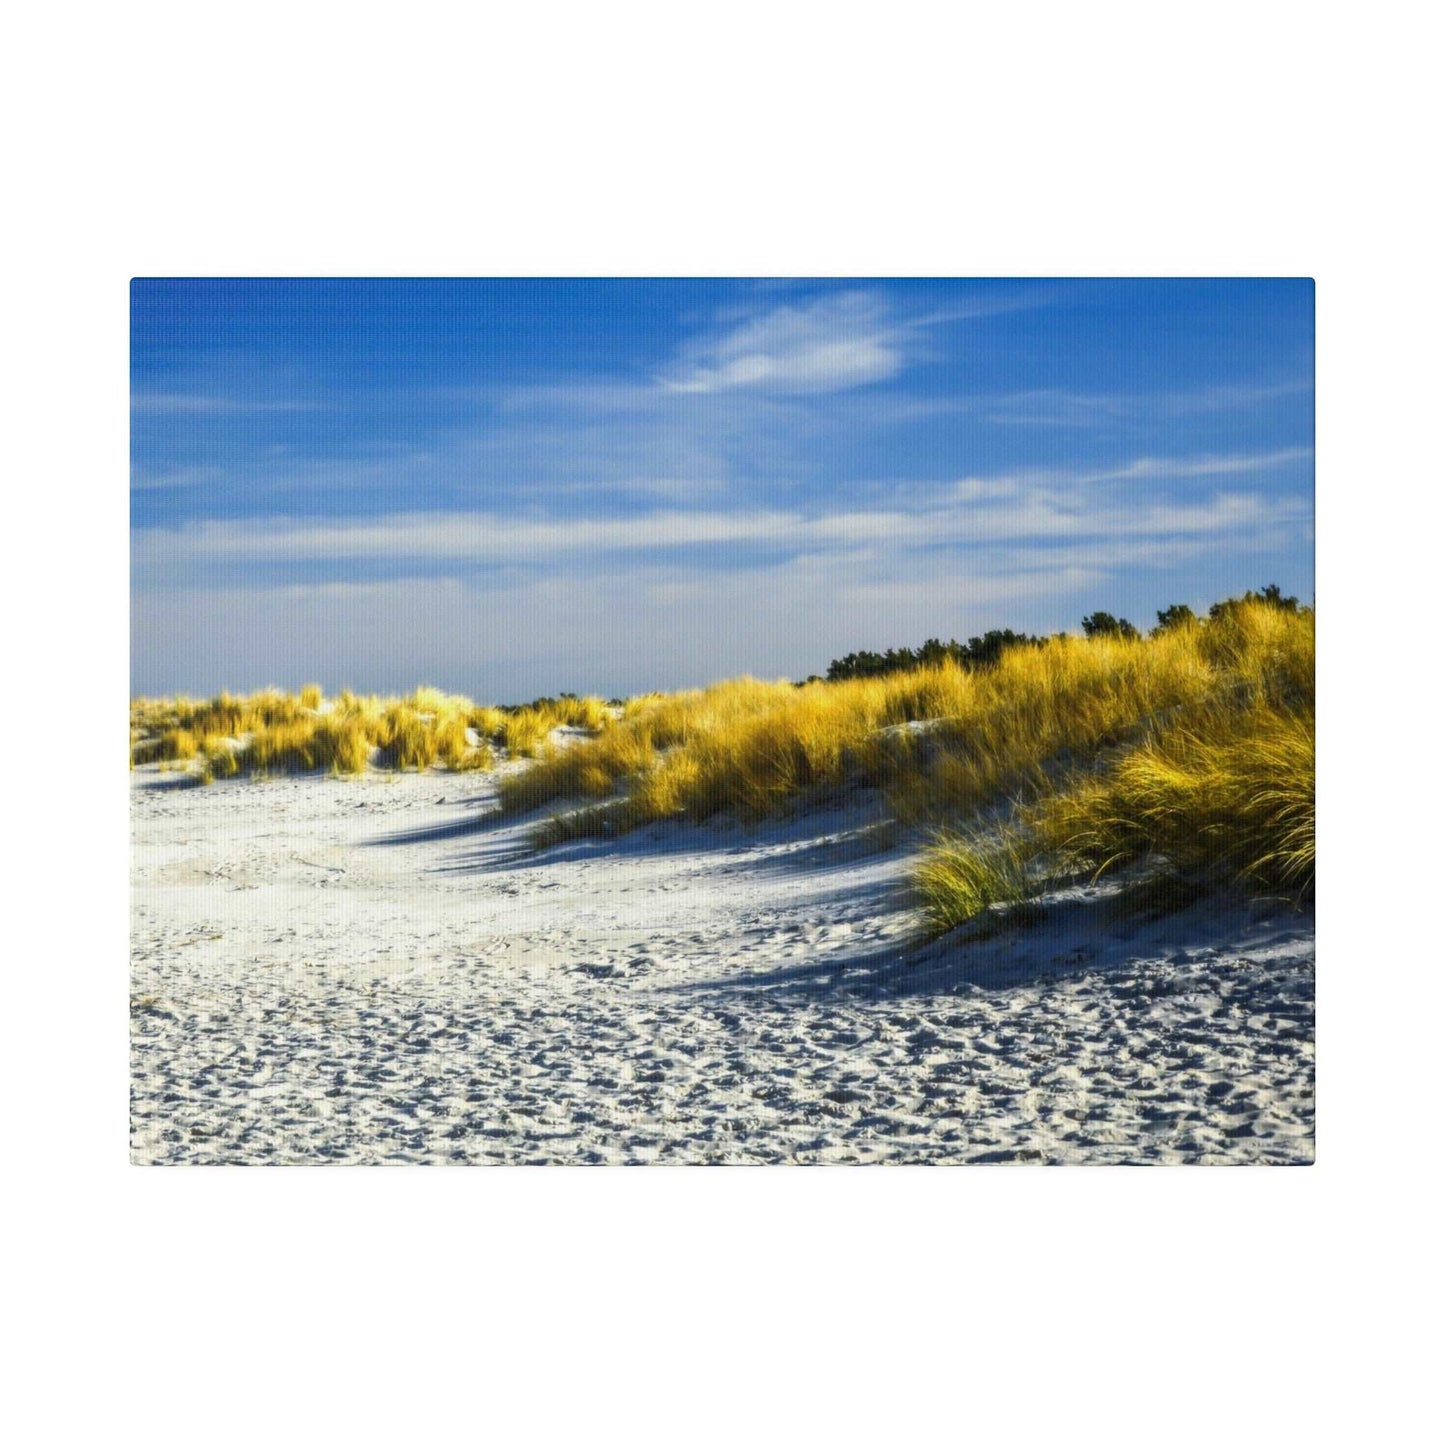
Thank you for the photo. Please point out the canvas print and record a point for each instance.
(698, 721)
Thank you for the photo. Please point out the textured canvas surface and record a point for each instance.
(722, 722)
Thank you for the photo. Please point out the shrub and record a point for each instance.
(1269, 596)
(977, 652)
(1177, 615)
(1105, 624)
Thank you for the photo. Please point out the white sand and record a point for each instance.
(373, 971)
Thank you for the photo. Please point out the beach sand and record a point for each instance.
(379, 970)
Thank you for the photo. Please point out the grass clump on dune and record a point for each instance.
(1231, 795)
(408, 738)
(1228, 799)
(960, 879)
(572, 711)
(339, 745)
(940, 741)
(272, 732)
(178, 744)
(487, 722)
(525, 732)
(1193, 746)
(1218, 788)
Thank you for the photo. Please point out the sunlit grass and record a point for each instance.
(525, 732)
(960, 879)
(1217, 786)
(271, 732)
(487, 721)
(754, 746)
(1232, 795)
(1191, 749)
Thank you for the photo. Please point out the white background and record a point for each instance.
(1046, 140)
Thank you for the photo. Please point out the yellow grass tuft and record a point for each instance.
(960, 879)
(488, 721)
(525, 732)
(272, 732)
(1231, 794)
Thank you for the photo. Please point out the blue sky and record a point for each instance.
(514, 487)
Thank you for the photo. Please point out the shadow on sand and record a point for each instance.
(797, 843)
(1057, 940)
(1077, 930)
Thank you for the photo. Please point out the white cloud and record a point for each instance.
(1030, 508)
(831, 344)
(1173, 468)
(1059, 407)
(605, 605)
(483, 537)
(146, 480)
(626, 624)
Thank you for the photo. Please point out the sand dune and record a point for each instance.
(380, 971)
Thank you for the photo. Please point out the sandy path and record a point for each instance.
(370, 971)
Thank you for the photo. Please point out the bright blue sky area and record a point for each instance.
(513, 487)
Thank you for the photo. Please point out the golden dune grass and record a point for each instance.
(958, 879)
(273, 732)
(752, 746)
(1194, 746)
(1229, 797)
(1233, 792)
(1220, 785)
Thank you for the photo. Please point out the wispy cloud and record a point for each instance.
(629, 624)
(149, 479)
(1176, 468)
(638, 486)
(626, 633)
(830, 344)
(1060, 407)
(1049, 508)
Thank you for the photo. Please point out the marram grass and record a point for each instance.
(959, 879)
(1229, 799)
(942, 743)
(271, 732)
(1192, 749)
(1231, 794)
